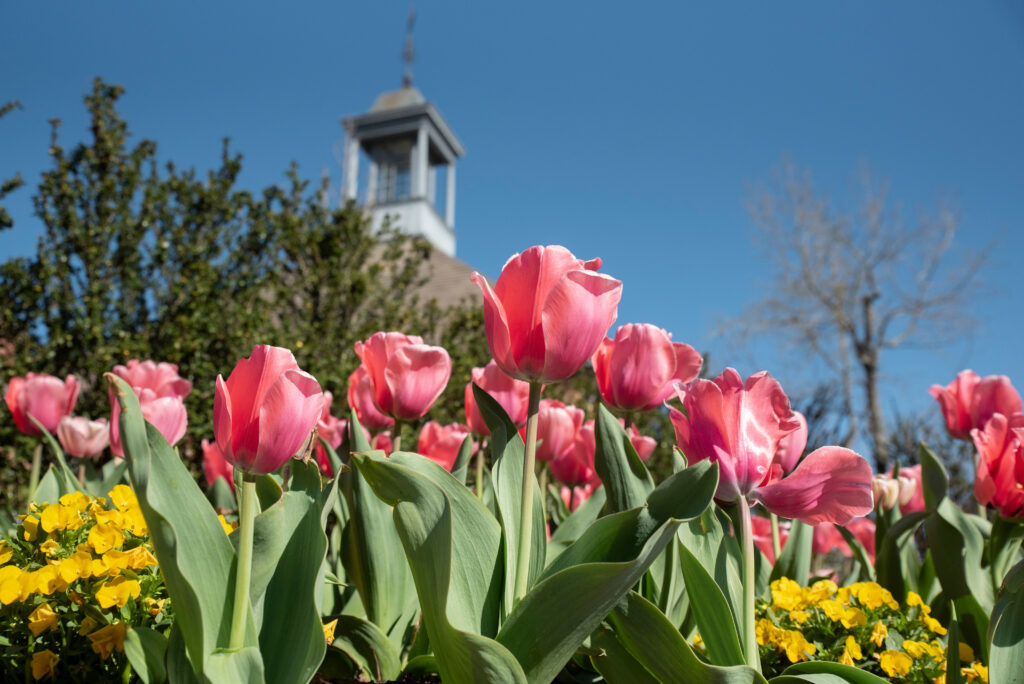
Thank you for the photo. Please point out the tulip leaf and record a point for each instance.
(891, 552)
(953, 674)
(373, 558)
(508, 454)
(66, 480)
(243, 665)
(460, 469)
(625, 477)
(707, 538)
(795, 560)
(196, 558)
(47, 490)
(585, 582)
(221, 496)
(615, 663)
(714, 619)
(145, 649)
(934, 478)
(1004, 546)
(656, 644)
(268, 491)
(453, 546)
(577, 522)
(859, 552)
(367, 647)
(822, 672)
(1006, 660)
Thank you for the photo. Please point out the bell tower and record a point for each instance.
(412, 153)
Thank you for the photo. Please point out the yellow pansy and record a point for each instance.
(821, 590)
(113, 518)
(799, 616)
(44, 664)
(49, 547)
(228, 527)
(76, 566)
(966, 653)
(879, 633)
(140, 557)
(787, 594)
(10, 586)
(766, 632)
(46, 580)
(5, 552)
(117, 591)
(76, 500)
(872, 595)
(30, 525)
(123, 497)
(108, 639)
(153, 606)
(41, 619)
(833, 609)
(133, 521)
(329, 631)
(88, 625)
(56, 517)
(102, 538)
(853, 648)
(933, 624)
(975, 673)
(116, 559)
(895, 663)
(796, 646)
(854, 617)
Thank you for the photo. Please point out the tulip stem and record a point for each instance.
(33, 477)
(747, 540)
(776, 539)
(243, 570)
(396, 437)
(480, 474)
(526, 502)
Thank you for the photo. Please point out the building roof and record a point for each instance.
(449, 283)
(396, 99)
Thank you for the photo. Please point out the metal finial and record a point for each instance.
(408, 54)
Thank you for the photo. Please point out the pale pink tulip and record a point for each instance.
(557, 426)
(161, 378)
(637, 370)
(83, 438)
(265, 411)
(999, 481)
(739, 426)
(572, 497)
(888, 491)
(215, 465)
(44, 397)
(360, 400)
(167, 414)
(441, 443)
(969, 401)
(407, 376)
(911, 497)
(547, 313)
(513, 395)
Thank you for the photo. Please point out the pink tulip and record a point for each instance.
(914, 501)
(407, 376)
(360, 400)
(82, 437)
(999, 480)
(636, 370)
(441, 443)
(265, 411)
(969, 401)
(826, 537)
(557, 426)
(791, 447)
(572, 497)
(513, 395)
(762, 529)
(888, 491)
(382, 441)
(547, 313)
(331, 430)
(215, 465)
(575, 466)
(739, 426)
(167, 414)
(643, 445)
(44, 397)
(161, 378)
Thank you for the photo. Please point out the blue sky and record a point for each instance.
(633, 134)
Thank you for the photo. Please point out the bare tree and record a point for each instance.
(848, 285)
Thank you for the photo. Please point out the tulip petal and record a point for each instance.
(832, 484)
(290, 410)
(416, 375)
(643, 362)
(248, 383)
(496, 327)
(577, 312)
(222, 418)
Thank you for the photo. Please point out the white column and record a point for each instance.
(351, 168)
(449, 200)
(371, 184)
(420, 156)
(432, 185)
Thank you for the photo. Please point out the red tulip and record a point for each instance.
(82, 437)
(167, 414)
(44, 397)
(762, 531)
(441, 443)
(382, 441)
(999, 480)
(547, 313)
(572, 497)
(969, 401)
(636, 371)
(407, 376)
(513, 395)
(739, 426)
(575, 466)
(557, 426)
(360, 400)
(331, 430)
(162, 378)
(215, 465)
(265, 411)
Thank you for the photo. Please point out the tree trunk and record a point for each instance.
(876, 424)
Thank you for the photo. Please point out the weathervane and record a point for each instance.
(408, 54)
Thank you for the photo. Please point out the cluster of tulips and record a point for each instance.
(334, 529)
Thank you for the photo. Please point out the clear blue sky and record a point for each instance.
(627, 133)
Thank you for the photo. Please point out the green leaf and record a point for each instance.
(615, 663)
(795, 560)
(66, 480)
(578, 521)
(368, 647)
(661, 649)
(711, 612)
(460, 469)
(953, 675)
(625, 477)
(221, 496)
(48, 489)
(707, 538)
(1006, 659)
(585, 582)
(859, 552)
(195, 556)
(934, 478)
(145, 649)
(820, 672)
(243, 665)
(1004, 546)
(893, 554)
(268, 491)
(453, 546)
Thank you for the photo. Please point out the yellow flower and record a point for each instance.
(821, 590)
(31, 527)
(766, 632)
(854, 617)
(914, 599)
(134, 522)
(112, 518)
(872, 595)
(799, 616)
(140, 557)
(76, 500)
(44, 663)
(123, 497)
(796, 646)
(116, 559)
(329, 630)
(49, 547)
(105, 537)
(108, 639)
(787, 594)
(88, 625)
(117, 592)
(228, 527)
(5, 552)
(976, 672)
(10, 585)
(879, 633)
(75, 566)
(853, 648)
(966, 653)
(933, 624)
(153, 606)
(46, 580)
(895, 664)
(42, 619)
(833, 610)
(56, 517)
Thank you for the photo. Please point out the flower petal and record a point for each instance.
(289, 411)
(416, 375)
(496, 327)
(577, 312)
(832, 484)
